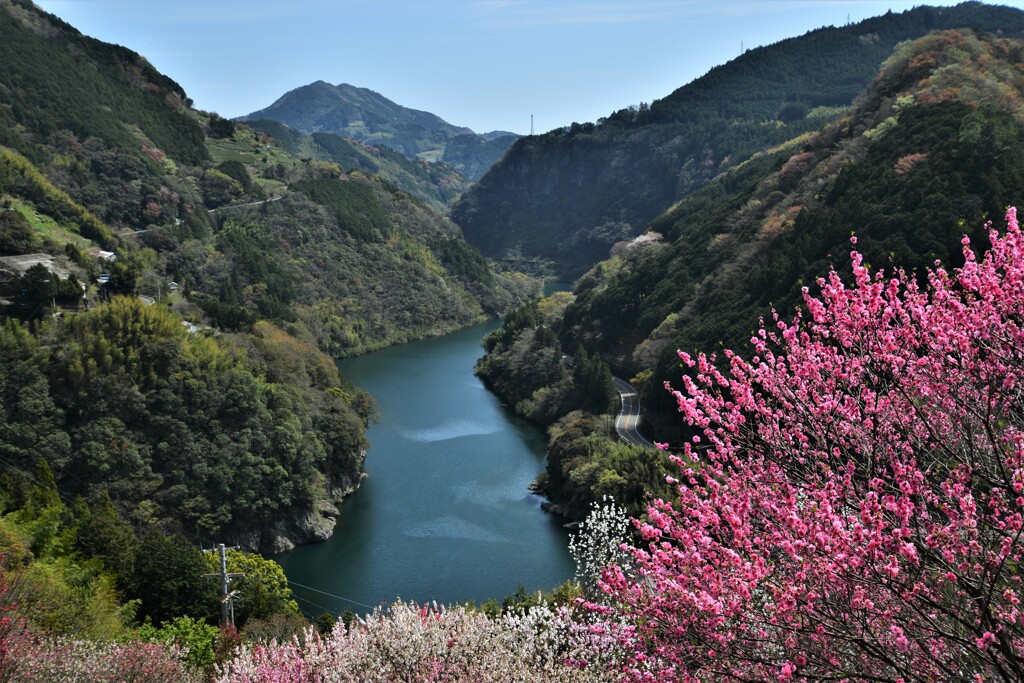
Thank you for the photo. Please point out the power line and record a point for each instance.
(332, 595)
(318, 606)
(122, 509)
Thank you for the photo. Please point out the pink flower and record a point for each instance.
(987, 639)
(857, 479)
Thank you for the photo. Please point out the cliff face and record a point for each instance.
(300, 526)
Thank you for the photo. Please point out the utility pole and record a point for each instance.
(531, 124)
(227, 603)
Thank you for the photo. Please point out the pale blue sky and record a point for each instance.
(486, 64)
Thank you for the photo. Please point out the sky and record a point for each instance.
(485, 64)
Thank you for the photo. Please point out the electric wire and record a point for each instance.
(333, 613)
(331, 595)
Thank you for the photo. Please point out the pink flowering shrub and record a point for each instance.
(415, 644)
(855, 508)
(38, 659)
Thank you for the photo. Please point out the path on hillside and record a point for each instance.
(628, 419)
(242, 206)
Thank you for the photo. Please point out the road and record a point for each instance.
(242, 206)
(628, 419)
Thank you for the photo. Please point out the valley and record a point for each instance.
(460, 465)
(338, 387)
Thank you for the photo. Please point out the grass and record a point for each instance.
(431, 155)
(46, 227)
(273, 187)
(242, 146)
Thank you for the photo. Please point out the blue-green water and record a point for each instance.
(445, 513)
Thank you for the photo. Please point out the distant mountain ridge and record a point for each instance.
(372, 119)
(569, 195)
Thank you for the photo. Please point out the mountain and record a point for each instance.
(930, 151)
(569, 195)
(472, 155)
(435, 183)
(56, 80)
(370, 118)
(222, 272)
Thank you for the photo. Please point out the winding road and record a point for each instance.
(628, 419)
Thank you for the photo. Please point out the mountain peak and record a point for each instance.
(361, 114)
(372, 119)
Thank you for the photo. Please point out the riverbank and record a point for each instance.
(445, 513)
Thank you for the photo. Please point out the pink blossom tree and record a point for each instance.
(850, 507)
(28, 655)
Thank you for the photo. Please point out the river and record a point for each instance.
(445, 513)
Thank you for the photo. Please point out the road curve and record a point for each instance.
(628, 419)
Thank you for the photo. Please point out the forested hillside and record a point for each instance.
(932, 149)
(568, 196)
(473, 155)
(372, 119)
(436, 184)
(205, 278)
(219, 437)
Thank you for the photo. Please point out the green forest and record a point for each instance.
(209, 435)
(592, 185)
(929, 153)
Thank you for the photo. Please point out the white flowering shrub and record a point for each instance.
(432, 644)
(27, 658)
(599, 544)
